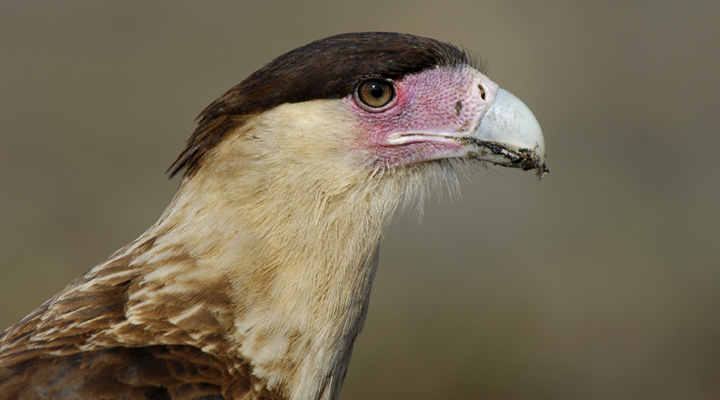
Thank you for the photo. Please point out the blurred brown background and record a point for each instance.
(600, 282)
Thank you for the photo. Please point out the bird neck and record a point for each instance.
(295, 248)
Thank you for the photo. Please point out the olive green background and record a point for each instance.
(602, 281)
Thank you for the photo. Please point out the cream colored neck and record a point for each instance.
(300, 266)
(298, 242)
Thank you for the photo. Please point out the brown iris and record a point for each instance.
(375, 93)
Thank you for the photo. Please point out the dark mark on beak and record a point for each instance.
(525, 159)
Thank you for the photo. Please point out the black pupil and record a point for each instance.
(377, 90)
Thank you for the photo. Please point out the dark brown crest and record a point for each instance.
(328, 68)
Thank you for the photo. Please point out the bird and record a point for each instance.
(254, 282)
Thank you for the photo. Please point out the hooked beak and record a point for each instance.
(508, 135)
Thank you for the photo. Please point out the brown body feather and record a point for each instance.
(80, 344)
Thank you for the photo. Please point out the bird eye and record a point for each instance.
(375, 93)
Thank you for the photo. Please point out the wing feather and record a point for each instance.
(82, 344)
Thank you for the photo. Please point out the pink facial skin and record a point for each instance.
(430, 110)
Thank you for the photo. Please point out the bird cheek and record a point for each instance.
(373, 127)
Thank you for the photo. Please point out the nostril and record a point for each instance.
(482, 91)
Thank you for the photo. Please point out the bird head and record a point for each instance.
(371, 102)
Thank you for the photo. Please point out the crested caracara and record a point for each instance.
(254, 282)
